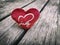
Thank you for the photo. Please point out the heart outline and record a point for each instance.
(27, 23)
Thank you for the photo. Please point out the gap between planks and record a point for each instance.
(16, 34)
(44, 30)
(8, 8)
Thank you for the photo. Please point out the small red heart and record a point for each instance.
(25, 19)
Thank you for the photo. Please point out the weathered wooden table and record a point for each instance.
(46, 31)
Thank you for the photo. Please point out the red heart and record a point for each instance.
(25, 19)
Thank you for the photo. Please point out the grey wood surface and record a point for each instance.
(58, 26)
(7, 7)
(44, 31)
(11, 36)
(10, 32)
(6, 24)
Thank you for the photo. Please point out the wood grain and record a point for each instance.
(10, 6)
(58, 26)
(10, 33)
(44, 30)
(6, 24)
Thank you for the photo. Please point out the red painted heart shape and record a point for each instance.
(25, 19)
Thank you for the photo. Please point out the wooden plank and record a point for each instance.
(4, 25)
(11, 36)
(10, 33)
(58, 26)
(33, 5)
(7, 25)
(44, 30)
(6, 10)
